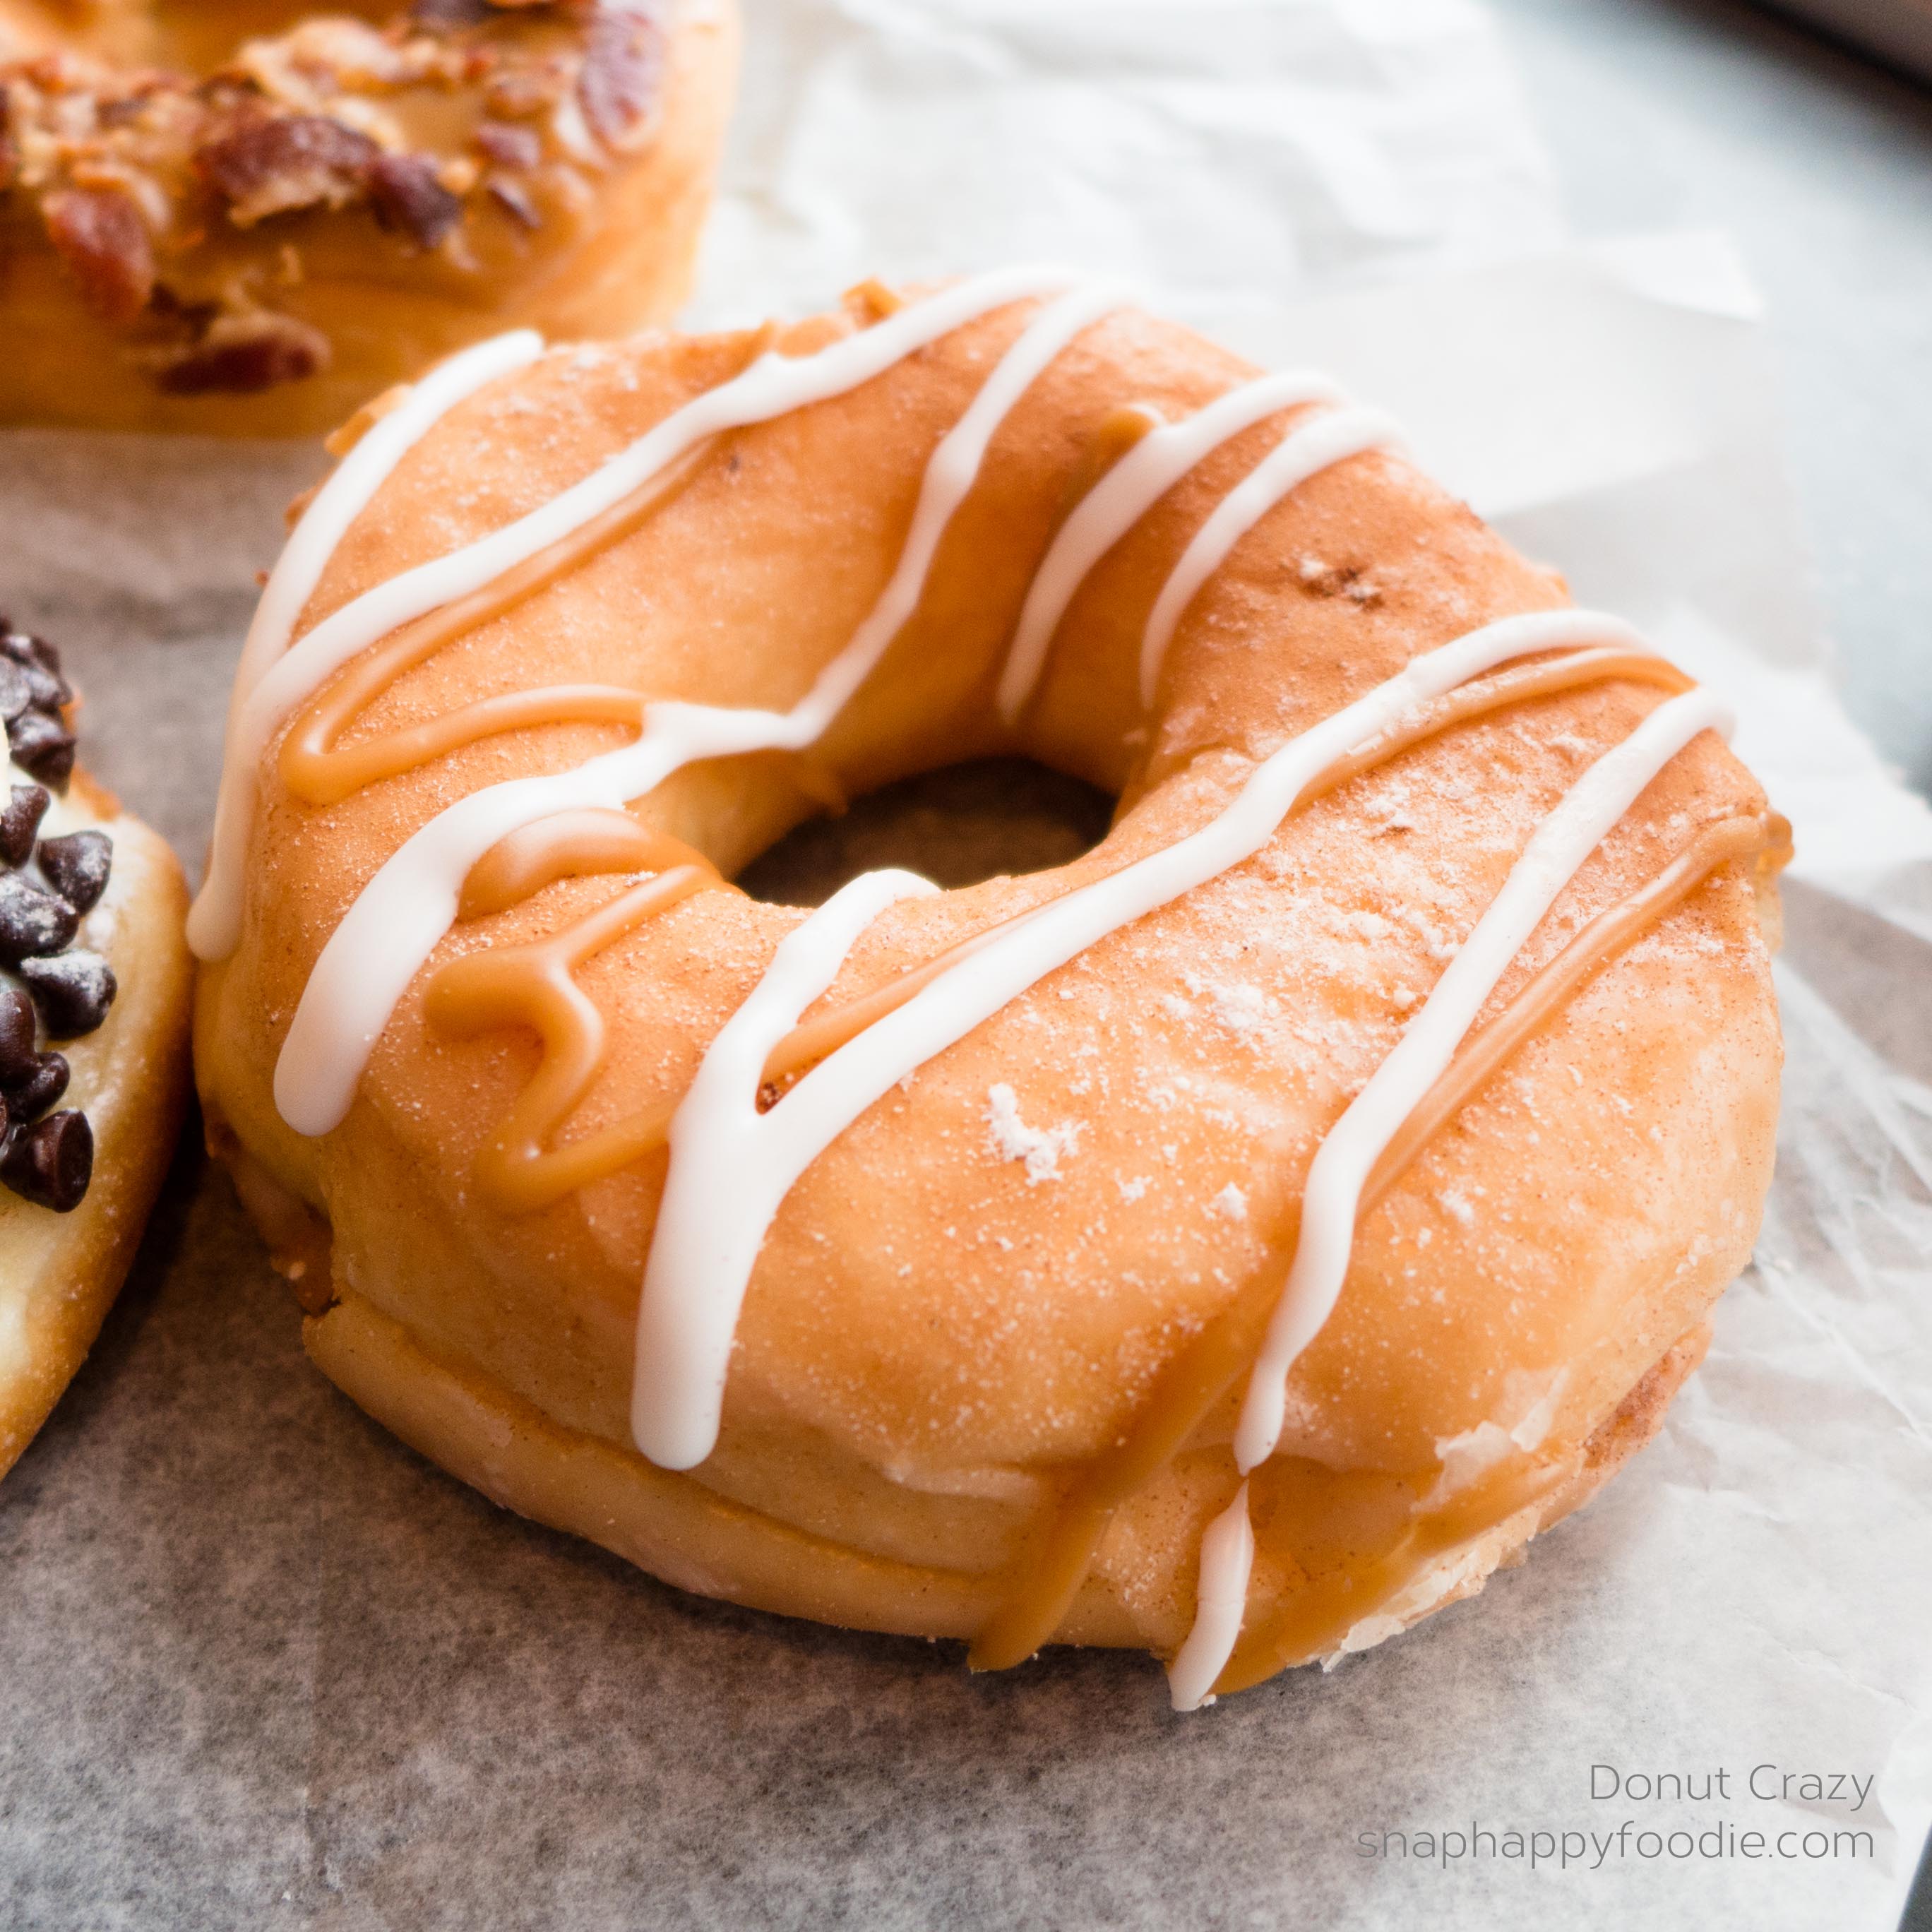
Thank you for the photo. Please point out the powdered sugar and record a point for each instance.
(1231, 1204)
(1040, 1148)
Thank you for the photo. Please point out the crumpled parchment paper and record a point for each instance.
(260, 1666)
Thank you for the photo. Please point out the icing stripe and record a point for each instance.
(403, 912)
(773, 385)
(1587, 812)
(349, 486)
(722, 1149)
(1304, 452)
(950, 473)
(1325, 1243)
(1122, 498)
(213, 923)
(1227, 1561)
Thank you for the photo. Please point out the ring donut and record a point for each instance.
(251, 219)
(1235, 1243)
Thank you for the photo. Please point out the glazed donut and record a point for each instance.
(251, 219)
(95, 978)
(1234, 1243)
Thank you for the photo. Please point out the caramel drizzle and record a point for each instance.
(319, 771)
(519, 1175)
(1201, 1377)
(532, 985)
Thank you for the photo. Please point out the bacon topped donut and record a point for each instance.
(250, 218)
(1235, 1243)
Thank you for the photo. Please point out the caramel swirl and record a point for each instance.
(567, 844)
(532, 985)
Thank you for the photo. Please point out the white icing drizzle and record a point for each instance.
(347, 491)
(830, 1098)
(1122, 498)
(1227, 1561)
(1572, 832)
(403, 912)
(773, 385)
(723, 1148)
(1304, 452)
(320, 528)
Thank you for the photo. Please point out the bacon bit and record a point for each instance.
(521, 91)
(265, 166)
(443, 16)
(623, 70)
(405, 194)
(510, 197)
(104, 242)
(241, 354)
(508, 145)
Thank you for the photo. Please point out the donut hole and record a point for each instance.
(958, 825)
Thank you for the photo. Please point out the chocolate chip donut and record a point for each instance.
(93, 1039)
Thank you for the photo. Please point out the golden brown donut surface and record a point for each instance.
(251, 218)
(982, 1290)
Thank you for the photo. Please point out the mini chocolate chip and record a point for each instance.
(77, 866)
(43, 746)
(20, 820)
(38, 1085)
(51, 1162)
(36, 654)
(17, 689)
(73, 991)
(46, 692)
(16, 1035)
(32, 922)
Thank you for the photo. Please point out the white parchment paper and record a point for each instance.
(258, 1665)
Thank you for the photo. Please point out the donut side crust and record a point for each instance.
(483, 1433)
(59, 1273)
